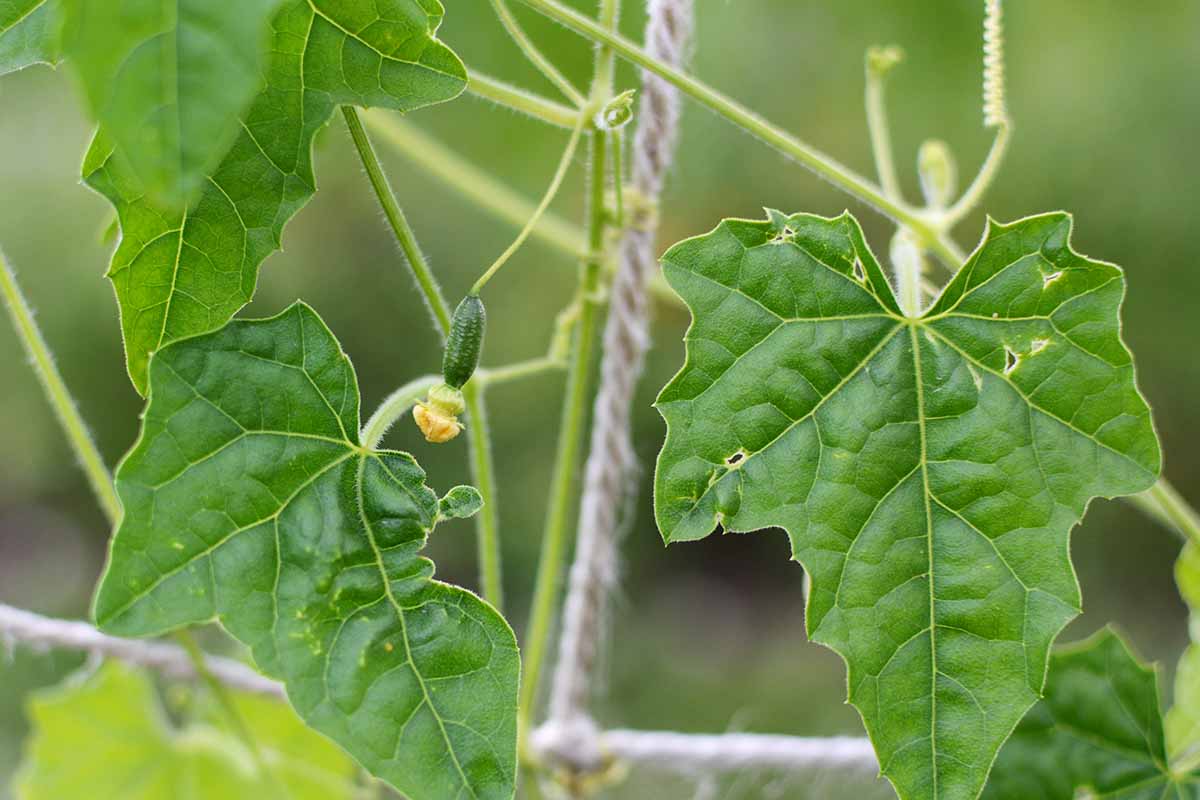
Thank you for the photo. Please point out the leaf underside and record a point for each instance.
(248, 498)
(177, 274)
(927, 472)
(1098, 733)
(108, 738)
(167, 81)
(28, 34)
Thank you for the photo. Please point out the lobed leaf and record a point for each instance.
(927, 471)
(177, 274)
(248, 498)
(28, 34)
(168, 81)
(108, 738)
(1098, 733)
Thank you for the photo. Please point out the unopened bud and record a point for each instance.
(881, 60)
(939, 173)
(616, 112)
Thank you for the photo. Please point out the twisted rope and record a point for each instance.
(37, 631)
(611, 461)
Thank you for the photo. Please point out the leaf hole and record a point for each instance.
(735, 458)
(860, 275)
(1051, 278)
(1011, 360)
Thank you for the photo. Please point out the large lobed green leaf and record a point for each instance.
(177, 274)
(249, 498)
(1098, 733)
(167, 80)
(108, 738)
(28, 34)
(928, 471)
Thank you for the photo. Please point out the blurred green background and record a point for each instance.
(706, 636)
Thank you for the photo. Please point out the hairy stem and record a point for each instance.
(552, 558)
(521, 369)
(58, 395)
(564, 164)
(877, 123)
(1164, 502)
(483, 471)
(522, 101)
(983, 181)
(395, 406)
(534, 55)
(476, 184)
(480, 443)
(398, 222)
(741, 116)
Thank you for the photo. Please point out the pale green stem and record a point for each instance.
(983, 181)
(492, 196)
(520, 100)
(618, 171)
(480, 445)
(58, 395)
(564, 164)
(880, 132)
(395, 406)
(398, 222)
(488, 378)
(233, 717)
(534, 55)
(477, 185)
(1163, 502)
(552, 558)
(741, 116)
(483, 471)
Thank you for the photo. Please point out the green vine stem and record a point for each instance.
(1164, 503)
(475, 184)
(879, 63)
(58, 395)
(552, 558)
(535, 56)
(931, 235)
(395, 406)
(233, 717)
(483, 471)
(520, 100)
(480, 444)
(564, 164)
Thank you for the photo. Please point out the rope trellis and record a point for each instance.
(24, 627)
(612, 463)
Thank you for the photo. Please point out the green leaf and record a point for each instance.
(1183, 720)
(167, 81)
(928, 471)
(28, 34)
(1098, 733)
(249, 498)
(179, 274)
(108, 738)
(461, 502)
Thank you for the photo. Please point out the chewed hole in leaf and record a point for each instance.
(735, 458)
(1011, 360)
(859, 274)
(1051, 278)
